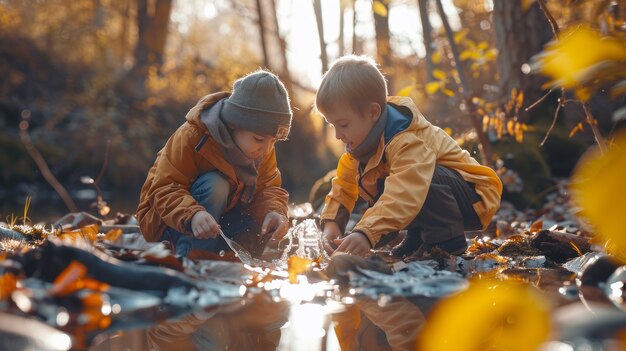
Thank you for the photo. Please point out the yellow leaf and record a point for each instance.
(447, 91)
(436, 57)
(510, 127)
(447, 130)
(513, 317)
(90, 232)
(490, 54)
(519, 101)
(439, 74)
(379, 8)
(432, 87)
(459, 36)
(297, 265)
(406, 91)
(465, 55)
(598, 189)
(483, 45)
(526, 4)
(565, 61)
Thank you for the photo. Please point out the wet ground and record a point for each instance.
(99, 286)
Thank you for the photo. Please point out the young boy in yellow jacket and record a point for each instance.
(411, 173)
(218, 172)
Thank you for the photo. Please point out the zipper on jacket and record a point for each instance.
(362, 187)
(201, 142)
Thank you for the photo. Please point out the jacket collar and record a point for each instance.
(396, 123)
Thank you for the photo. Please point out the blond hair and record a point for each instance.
(353, 80)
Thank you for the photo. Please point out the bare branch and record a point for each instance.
(556, 114)
(43, 167)
(538, 101)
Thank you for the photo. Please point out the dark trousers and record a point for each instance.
(447, 211)
(212, 191)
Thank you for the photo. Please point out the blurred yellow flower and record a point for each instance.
(599, 189)
(490, 315)
(570, 60)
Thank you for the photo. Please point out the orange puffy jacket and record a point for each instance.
(165, 200)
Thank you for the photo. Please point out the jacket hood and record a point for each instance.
(407, 107)
(193, 116)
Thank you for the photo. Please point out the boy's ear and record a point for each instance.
(374, 111)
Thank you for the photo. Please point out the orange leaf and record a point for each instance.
(578, 128)
(536, 226)
(8, 283)
(296, 266)
(113, 234)
(66, 282)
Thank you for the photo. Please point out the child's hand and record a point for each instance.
(276, 224)
(356, 243)
(204, 226)
(330, 236)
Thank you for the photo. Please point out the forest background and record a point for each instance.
(92, 89)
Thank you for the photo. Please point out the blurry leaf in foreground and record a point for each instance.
(490, 315)
(573, 59)
(598, 189)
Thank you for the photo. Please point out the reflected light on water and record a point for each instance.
(306, 329)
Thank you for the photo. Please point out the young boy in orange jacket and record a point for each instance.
(411, 173)
(218, 172)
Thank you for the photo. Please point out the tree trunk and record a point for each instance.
(261, 23)
(519, 36)
(317, 7)
(428, 41)
(152, 27)
(383, 42)
(340, 39)
(285, 74)
(355, 40)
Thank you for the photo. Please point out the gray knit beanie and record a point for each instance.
(259, 103)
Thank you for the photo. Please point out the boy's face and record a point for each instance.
(253, 145)
(352, 127)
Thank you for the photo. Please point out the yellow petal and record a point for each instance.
(490, 315)
(598, 189)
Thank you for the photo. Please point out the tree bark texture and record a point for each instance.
(519, 35)
(317, 7)
(261, 24)
(428, 41)
(383, 43)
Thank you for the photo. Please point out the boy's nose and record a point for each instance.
(338, 135)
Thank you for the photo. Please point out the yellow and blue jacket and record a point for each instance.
(396, 178)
